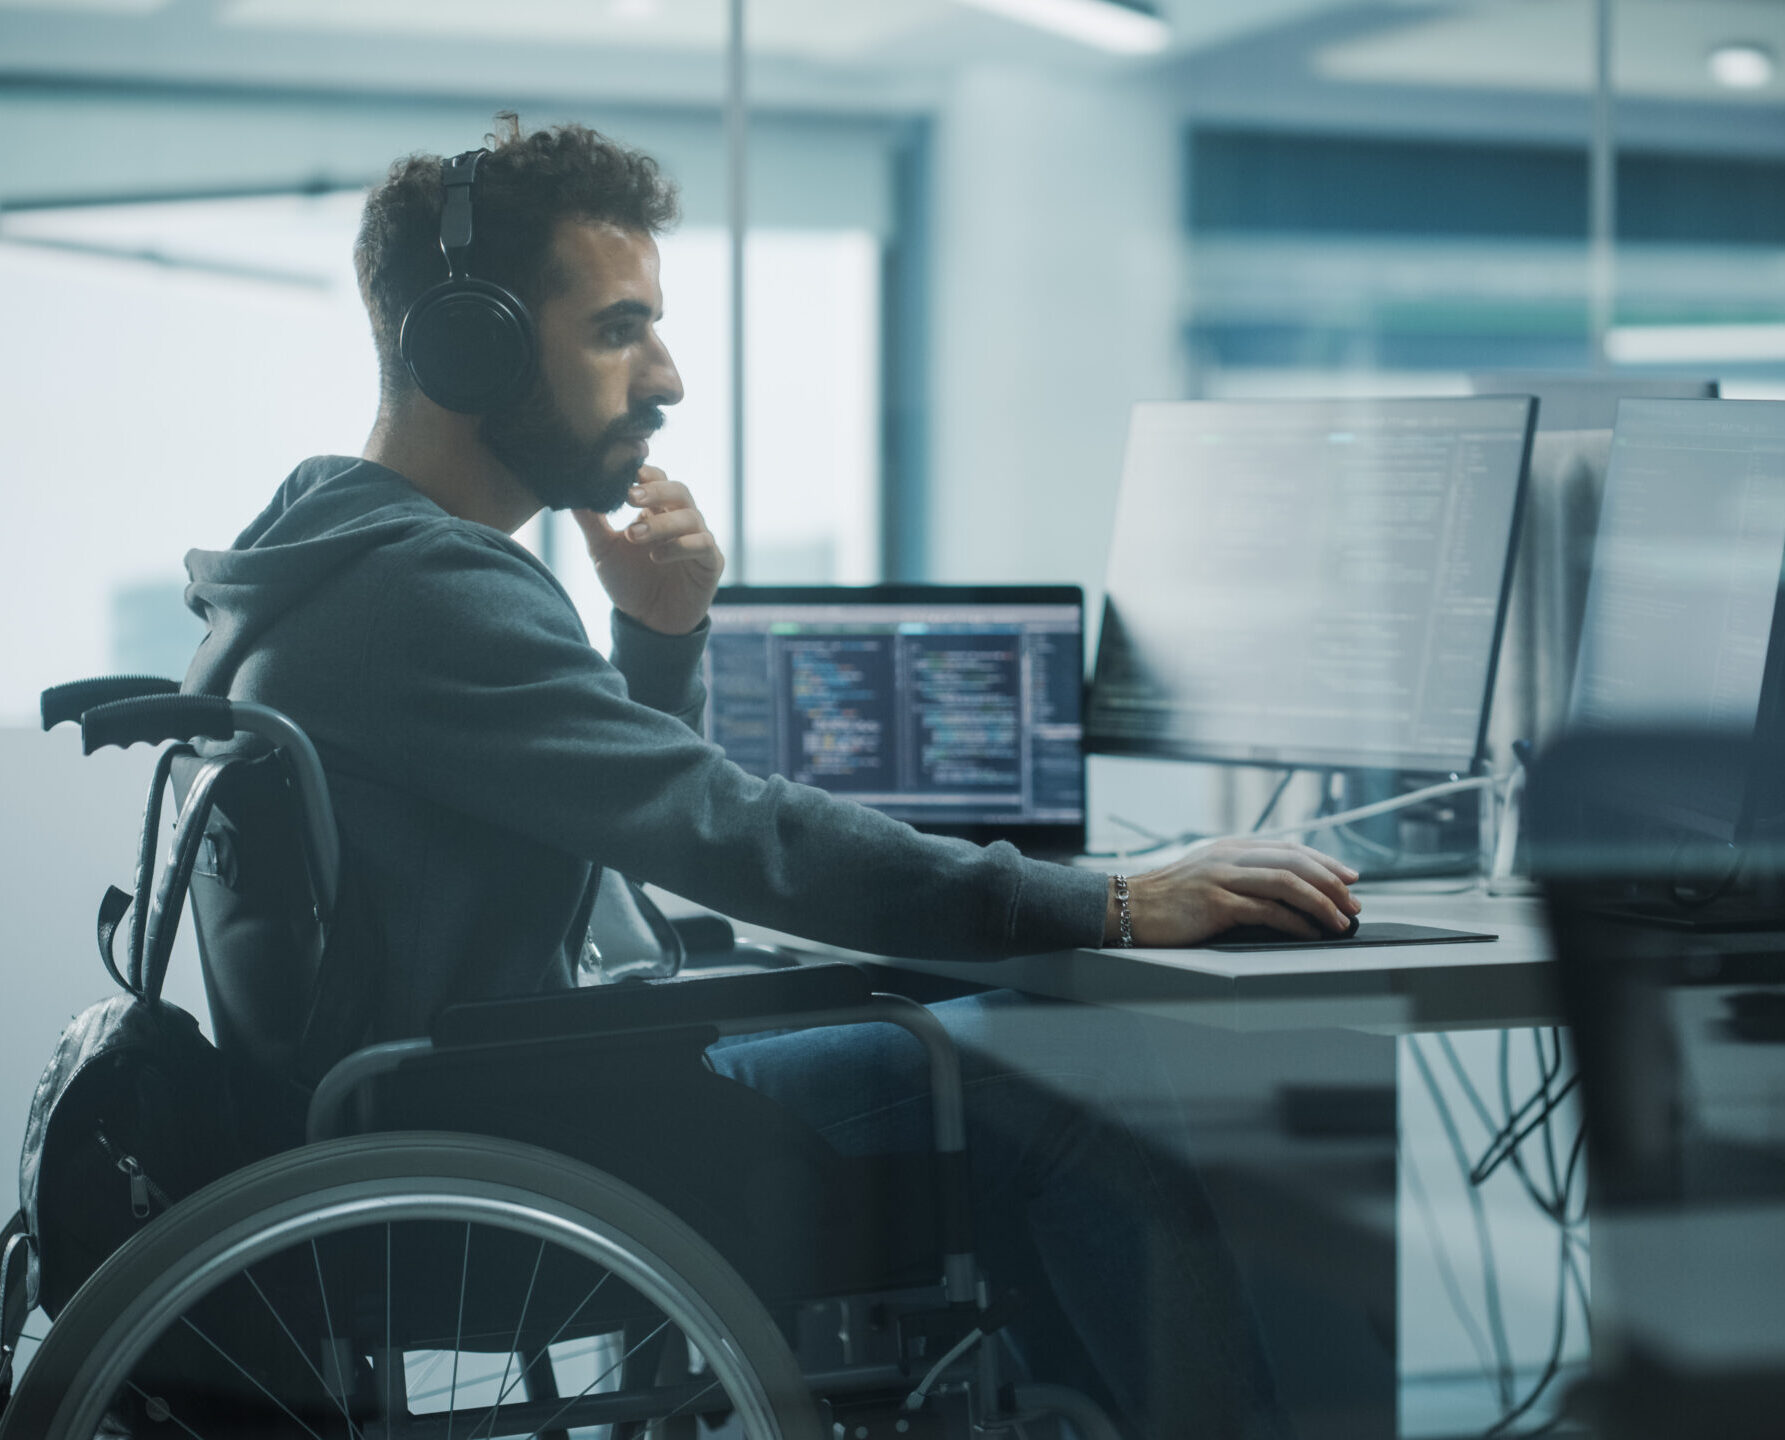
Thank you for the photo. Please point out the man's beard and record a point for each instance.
(534, 440)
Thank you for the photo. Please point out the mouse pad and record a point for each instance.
(1381, 932)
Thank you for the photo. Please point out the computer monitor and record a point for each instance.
(1310, 583)
(1583, 402)
(956, 708)
(1549, 583)
(1682, 627)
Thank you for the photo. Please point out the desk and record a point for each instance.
(1385, 989)
(1324, 1226)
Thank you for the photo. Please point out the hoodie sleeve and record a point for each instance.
(662, 671)
(488, 699)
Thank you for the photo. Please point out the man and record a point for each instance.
(485, 761)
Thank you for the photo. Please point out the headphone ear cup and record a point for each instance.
(469, 346)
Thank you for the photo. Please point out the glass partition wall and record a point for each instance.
(972, 235)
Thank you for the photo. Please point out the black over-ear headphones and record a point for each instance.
(468, 342)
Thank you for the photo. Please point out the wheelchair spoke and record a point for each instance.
(545, 1349)
(452, 1404)
(247, 1375)
(328, 1324)
(145, 1397)
(519, 1325)
(393, 1362)
(562, 1409)
(710, 1385)
(303, 1354)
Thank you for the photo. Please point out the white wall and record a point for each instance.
(70, 829)
(1044, 334)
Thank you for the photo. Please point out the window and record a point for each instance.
(183, 357)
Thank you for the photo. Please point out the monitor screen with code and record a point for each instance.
(956, 708)
(1319, 583)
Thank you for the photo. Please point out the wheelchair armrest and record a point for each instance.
(651, 1005)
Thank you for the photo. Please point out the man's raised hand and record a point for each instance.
(663, 568)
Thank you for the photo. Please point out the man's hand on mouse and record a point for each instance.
(663, 568)
(1288, 887)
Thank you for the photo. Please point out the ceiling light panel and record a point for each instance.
(1742, 66)
(100, 7)
(1102, 24)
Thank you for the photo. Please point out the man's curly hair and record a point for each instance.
(525, 186)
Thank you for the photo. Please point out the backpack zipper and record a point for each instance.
(142, 1188)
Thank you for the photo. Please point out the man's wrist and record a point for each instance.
(646, 625)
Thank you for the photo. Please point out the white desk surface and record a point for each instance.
(1388, 989)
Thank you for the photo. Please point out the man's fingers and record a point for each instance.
(597, 530)
(1305, 863)
(1242, 850)
(1291, 889)
(701, 547)
(1338, 867)
(654, 491)
(659, 526)
(1252, 910)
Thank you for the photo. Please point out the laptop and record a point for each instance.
(956, 708)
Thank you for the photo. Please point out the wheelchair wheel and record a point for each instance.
(415, 1285)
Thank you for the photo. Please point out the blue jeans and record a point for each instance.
(1129, 1290)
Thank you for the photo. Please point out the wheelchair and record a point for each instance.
(547, 1217)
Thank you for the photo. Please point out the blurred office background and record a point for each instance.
(976, 231)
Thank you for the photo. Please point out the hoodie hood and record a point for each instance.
(330, 511)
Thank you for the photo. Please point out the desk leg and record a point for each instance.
(1295, 1135)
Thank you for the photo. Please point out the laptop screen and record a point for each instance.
(955, 708)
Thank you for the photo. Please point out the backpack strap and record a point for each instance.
(176, 875)
(145, 861)
(111, 911)
(18, 1293)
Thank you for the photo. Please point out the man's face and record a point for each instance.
(577, 438)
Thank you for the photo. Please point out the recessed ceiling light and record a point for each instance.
(1742, 65)
(1128, 27)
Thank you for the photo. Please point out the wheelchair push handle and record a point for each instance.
(154, 711)
(155, 718)
(71, 701)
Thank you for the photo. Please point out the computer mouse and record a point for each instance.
(1266, 935)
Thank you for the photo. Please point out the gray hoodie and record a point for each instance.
(485, 761)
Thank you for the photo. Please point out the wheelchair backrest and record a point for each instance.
(288, 993)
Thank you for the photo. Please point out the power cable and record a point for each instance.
(1490, 1282)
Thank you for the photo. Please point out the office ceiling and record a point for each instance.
(1660, 49)
(863, 54)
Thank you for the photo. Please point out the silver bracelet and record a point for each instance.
(1124, 918)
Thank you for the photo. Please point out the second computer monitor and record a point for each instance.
(1683, 628)
(1587, 402)
(1314, 583)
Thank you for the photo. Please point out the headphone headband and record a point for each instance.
(457, 177)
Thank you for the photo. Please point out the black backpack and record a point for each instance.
(133, 1111)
